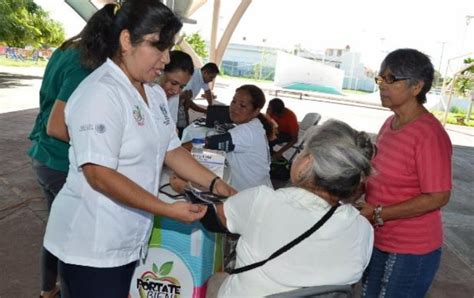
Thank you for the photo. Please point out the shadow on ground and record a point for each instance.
(8, 80)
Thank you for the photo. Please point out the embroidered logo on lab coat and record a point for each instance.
(100, 128)
(86, 127)
(166, 120)
(138, 115)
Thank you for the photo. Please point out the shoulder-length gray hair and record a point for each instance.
(341, 158)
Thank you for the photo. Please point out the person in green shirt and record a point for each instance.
(50, 140)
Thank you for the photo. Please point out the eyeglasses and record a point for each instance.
(389, 79)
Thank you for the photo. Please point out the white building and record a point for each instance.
(259, 62)
(249, 61)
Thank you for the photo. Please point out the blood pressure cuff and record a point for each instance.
(220, 142)
(211, 222)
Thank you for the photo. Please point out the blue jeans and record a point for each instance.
(399, 275)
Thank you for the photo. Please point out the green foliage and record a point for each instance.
(22, 23)
(257, 71)
(198, 44)
(456, 118)
(465, 83)
(455, 110)
(468, 61)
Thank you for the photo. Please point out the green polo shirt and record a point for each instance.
(61, 77)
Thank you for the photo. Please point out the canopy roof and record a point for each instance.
(182, 8)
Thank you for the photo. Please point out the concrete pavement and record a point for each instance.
(23, 210)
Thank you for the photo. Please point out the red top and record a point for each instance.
(287, 122)
(410, 161)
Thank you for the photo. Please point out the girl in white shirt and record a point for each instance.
(246, 144)
(175, 76)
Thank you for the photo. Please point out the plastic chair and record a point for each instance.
(309, 120)
(318, 291)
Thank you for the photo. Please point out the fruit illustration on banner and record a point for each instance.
(163, 274)
(158, 282)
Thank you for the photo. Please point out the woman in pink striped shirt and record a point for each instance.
(411, 184)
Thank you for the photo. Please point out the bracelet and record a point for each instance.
(377, 216)
(213, 182)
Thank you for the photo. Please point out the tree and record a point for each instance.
(198, 44)
(465, 83)
(23, 22)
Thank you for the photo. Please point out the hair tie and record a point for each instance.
(117, 8)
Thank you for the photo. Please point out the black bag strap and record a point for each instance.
(172, 196)
(288, 246)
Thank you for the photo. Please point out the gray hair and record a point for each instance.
(341, 158)
(412, 64)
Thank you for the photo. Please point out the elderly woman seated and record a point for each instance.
(326, 178)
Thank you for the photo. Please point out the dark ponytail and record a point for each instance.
(99, 39)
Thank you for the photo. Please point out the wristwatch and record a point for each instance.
(377, 216)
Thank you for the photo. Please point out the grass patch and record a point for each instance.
(455, 118)
(312, 87)
(25, 63)
(349, 91)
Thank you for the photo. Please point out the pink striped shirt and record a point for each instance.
(410, 161)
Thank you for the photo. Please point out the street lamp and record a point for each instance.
(440, 61)
(468, 21)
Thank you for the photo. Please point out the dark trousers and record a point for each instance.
(281, 138)
(90, 282)
(51, 181)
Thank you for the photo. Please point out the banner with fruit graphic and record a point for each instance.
(181, 258)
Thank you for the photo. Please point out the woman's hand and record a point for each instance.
(223, 189)
(186, 212)
(366, 210)
(413, 207)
